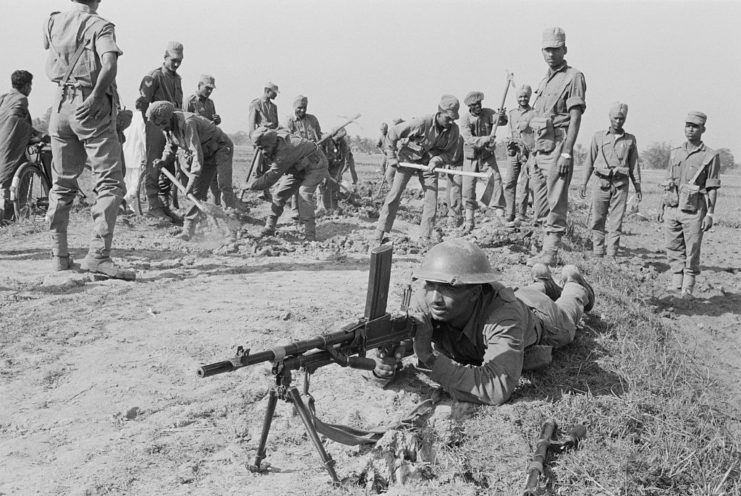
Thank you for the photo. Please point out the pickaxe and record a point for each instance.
(489, 191)
(490, 180)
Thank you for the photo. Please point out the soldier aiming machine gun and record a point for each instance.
(347, 348)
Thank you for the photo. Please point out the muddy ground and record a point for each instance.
(98, 377)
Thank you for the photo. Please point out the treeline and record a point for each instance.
(656, 156)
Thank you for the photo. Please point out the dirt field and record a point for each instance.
(100, 394)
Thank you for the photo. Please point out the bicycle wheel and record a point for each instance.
(30, 189)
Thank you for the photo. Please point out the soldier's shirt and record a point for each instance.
(425, 133)
(519, 120)
(202, 106)
(263, 112)
(610, 152)
(307, 127)
(560, 91)
(482, 362)
(160, 85)
(15, 133)
(196, 136)
(291, 152)
(60, 38)
(686, 160)
(476, 129)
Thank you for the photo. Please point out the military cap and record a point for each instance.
(272, 86)
(696, 117)
(207, 80)
(160, 111)
(473, 98)
(619, 108)
(174, 49)
(264, 137)
(384, 127)
(300, 101)
(525, 89)
(554, 38)
(449, 105)
(398, 120)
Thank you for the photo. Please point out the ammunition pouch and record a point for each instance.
(543, 134)
(689, 198)
(671, 195)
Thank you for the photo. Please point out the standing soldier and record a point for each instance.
(300, 165)
(430, 140)
(518, 151)
(264, 113)
(201, 104)
(16, 131)
(476, 127)
(555, 124)
(303, 125)
(339, 158)
(613, 156)
(83, 60)
(161, 84)
(454, 186)
(692, 182)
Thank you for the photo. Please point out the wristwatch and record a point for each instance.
(566, 155)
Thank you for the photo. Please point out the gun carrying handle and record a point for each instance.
(361, 363)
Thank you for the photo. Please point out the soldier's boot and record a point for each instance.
(189, 230)
(676, 283)
(269, 228)
(470, 221)
(571, 273)
(542, 274)
(688, 285)
(175, 218)
(60, 259)
(60, 263)
(310, 231)
(98, 260)
(549, 253)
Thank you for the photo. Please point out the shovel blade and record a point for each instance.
(488, 191)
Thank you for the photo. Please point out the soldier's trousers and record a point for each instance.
(200, 191)
(75, 142)
(683, 234)
(516, 207)
(428, 180)
(157, 185)
(557, 320)
(221, 183)
(608, 209)
(551, 192)
(469, 183)
(305, 182)
(455, 194)
(330, 191)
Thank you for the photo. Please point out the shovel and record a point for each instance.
(490, 180)
(207, 208)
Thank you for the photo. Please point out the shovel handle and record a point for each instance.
(453, 172)
(183, 189)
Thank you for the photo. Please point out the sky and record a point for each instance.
(395, 58)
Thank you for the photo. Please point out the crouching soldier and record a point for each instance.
(204, 146)
(300, 166)
(475, 333)
(339, 158)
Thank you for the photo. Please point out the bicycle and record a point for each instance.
(29, 190)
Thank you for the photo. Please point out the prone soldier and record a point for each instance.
(300, 165)
(160, 84)
(688, 207)
(476, 127)
(200, 103)
(613, 157)
(205, 149)
(430, 140)
(82, 61)
(558, 109)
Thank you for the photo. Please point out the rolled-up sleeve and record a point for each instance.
(493, 382)
(576, 97)
(399, 131)
(105, 41)
(713, 177)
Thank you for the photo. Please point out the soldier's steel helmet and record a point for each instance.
(456, 262)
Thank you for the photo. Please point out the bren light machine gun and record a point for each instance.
(347, 348)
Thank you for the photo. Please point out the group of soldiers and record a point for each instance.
(482, 331)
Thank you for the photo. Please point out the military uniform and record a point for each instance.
(204, 149)
(92, 140)
(339, 158)
(160, 84)
(295, 164)
(517, 156)
(692, 173)
(614, 158)
(263, 112)
(424, 141)
(561, 90)
(455, 191)
(15, 134)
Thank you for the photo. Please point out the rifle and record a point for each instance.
(346, 347)
(545, 444)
